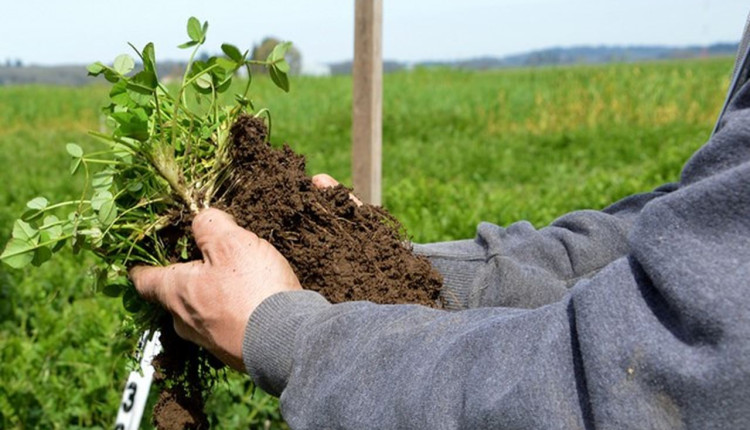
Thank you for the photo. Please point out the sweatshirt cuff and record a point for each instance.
(459, 262)
(268, 344)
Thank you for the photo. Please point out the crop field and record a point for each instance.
(458, 148)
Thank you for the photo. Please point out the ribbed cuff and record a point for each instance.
(268, 345)
(459, 262)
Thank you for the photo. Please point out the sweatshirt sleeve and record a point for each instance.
(658, 338)
(522, 267)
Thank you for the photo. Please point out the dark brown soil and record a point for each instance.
(344, 251)
(180, 373)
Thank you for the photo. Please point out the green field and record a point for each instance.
(458, 148)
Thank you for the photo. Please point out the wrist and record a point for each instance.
(268, 343)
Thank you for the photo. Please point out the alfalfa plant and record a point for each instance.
(166, 154)
(165, 157)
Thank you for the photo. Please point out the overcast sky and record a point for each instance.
(83, 31)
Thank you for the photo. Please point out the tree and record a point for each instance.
(262, 51)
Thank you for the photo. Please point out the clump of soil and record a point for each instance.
(343, 251)
(181, 371)
(336, 248)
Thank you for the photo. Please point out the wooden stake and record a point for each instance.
(367, 97)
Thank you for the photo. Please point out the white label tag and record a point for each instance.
(136, 389)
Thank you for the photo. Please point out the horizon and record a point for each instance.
(4, 62)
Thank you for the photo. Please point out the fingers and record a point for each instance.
(323, 180)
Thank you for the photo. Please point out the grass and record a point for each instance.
(458, 148)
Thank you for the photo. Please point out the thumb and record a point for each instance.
(156, 283)
(323, 180)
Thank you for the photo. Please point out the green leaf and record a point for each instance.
(74, 150)
(123, 64)
(132, 123)
(122, 152)
(113, 290)
(279, 78)
(223, 74)
(25, 231)
(75, 163)
(41, 255)
(31, 214)
(141, 87)
(131, 301)
(58, 245)
(204, 81)
(99, 198)
(95, 69)
(149, 58)
(283, 66)
(52, 226)
(38, 203)
(111, 76)
(233, 53)
(279, 51)
(227, 67)
(94, 236)
(194, 29)
(145, 81)
(187, 44)
(102, 180)
(224, 85)
(18, 253)
(135, 186)
(119, 94)
(108, 212)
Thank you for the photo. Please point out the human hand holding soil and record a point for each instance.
(212, 300)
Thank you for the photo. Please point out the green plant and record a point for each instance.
(166, 155)
(165, 158)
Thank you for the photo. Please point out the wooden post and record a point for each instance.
(367, 99)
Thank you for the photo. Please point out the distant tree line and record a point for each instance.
(13, 63)
(561, 56)
(14, 72)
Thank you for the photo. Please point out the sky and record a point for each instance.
(80, 32)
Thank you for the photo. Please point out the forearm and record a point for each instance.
(522, 267)
(360, 365)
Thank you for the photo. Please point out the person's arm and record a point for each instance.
(656, 339)
(659, 338)
(522, 267)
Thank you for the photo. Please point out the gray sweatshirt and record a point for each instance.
(637, 316)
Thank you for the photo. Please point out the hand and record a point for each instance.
(212, 300)
(322, 180)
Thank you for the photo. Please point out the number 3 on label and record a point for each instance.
(127, 405)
